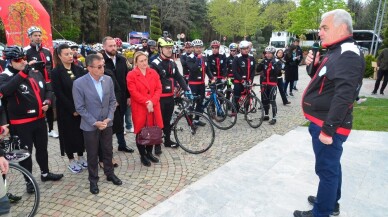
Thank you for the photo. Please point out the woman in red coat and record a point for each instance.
(145, 88)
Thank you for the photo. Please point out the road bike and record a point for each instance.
(189, 135)
(251, 106)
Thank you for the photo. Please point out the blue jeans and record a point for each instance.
(328, 169)
(128, 117)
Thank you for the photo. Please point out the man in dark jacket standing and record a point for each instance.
(36, 51)
(382, 63)
(328, 104)
(117, 64)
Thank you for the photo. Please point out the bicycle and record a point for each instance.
(221, 112)
(251, 106)
(26, 204)
(189, 136)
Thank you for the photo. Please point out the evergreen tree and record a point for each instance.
(156, 29)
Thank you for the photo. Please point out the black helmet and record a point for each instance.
(13, 52)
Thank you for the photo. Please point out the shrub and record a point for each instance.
(369, 70)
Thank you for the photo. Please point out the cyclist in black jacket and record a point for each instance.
(229, 67)
(216, 62)
(169, 75)
(270, 71)
(28, 97)
(36, 51)
(183, 57)
(243, 70)
(196, 64)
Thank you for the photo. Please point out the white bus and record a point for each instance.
(280, 40)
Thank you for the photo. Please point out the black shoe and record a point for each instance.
(373, 93)
(295, 88)
(266, 118)
(144, 160)
(291, 94)
(287, 103)
(152, 158)
(381, 93)
(170, 144)
(114, 179)
(51, 177)
(158, 149)
(199, 123)
(13, 198)
(336, 211)
(298, 213)
(94, 188)
(30, 188)
(125, 149)
(272, 122)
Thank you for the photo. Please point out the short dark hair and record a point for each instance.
(296, 40)
(90, 59)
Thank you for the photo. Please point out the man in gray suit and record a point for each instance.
(95, 101)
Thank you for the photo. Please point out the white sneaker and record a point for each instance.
(131, 130)
(74, 167)
(82, 162)
(53, 134)
(361, 100)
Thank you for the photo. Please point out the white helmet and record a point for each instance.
(271, 49)
(197, 42)
(72, 44)
(243, 44)
(33, 29)
(97, 47)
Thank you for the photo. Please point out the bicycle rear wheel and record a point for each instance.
(22, 203)
(192, 137)
(254, 111)
(222, 113)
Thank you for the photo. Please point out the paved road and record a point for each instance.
(146, 187)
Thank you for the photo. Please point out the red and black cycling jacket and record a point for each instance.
(216, 65)
(271, 70)
(169, 74)
(196, 65)
(229, 66)
(329, 97)
(25, 95)
(243, 68)
(41, 54)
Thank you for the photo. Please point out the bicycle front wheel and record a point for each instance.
(254, 111)
(222, 113)
(22, 203)
(194, 132)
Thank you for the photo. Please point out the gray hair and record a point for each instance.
(90, 59)
(340, 16)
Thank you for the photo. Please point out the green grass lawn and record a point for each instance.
(370, 115)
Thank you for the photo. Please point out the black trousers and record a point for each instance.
(34, 134)
(380, 75)
(198, 90)
(167, 108)
(50, 118)
(237, 90)
(268, 96)
(94, 139)
(281, 90)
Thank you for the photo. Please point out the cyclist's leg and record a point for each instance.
(25, 131)
(167, 108)
(265, 98)
(272, 100)
(40, 140)
(237, 90)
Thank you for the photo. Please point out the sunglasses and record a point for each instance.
(98, 67)
(19, 60)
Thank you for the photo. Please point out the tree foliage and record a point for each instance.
(308, 15)
(234, 18)
(275, 15)
(156, 29)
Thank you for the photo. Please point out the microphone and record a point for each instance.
(315, 49)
